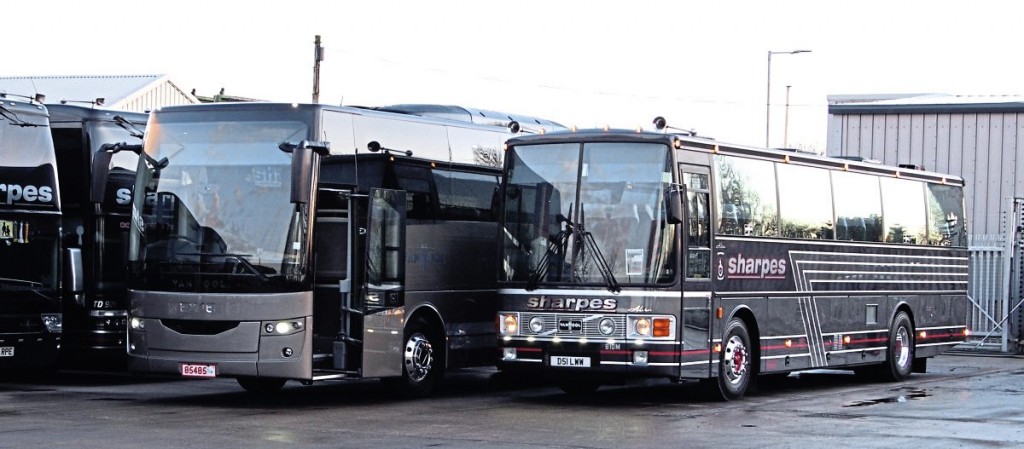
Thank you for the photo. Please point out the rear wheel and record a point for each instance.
(734, 367)
(261, 385)
(422, 361)
(900, 352)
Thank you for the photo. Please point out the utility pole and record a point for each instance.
(785, 132)
(318, 55)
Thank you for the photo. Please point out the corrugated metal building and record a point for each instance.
(140, 93)
(979, 138)
(976, 137)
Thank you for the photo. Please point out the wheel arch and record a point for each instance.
(746, 315)
(432, 317)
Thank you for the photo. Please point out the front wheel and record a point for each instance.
(422, 361)
(734, 370)
(900, 352)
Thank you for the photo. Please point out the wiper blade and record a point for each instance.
(20, 282)
(241, 258)
(600, 261)
(24, 285)
(13, 118)
(128, 126)
(553, 247)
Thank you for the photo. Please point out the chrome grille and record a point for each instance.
(590, 325)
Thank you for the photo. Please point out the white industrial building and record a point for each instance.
(139, 93)
(979, 138)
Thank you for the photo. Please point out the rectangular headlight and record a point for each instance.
(54, 322)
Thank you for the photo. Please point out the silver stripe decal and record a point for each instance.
(793, 356)
(598, 293)
(845, 351)
(949, 343)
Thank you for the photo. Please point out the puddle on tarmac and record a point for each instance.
(908, 395)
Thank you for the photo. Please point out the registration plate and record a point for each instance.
(6, 351)
(198, 370)
(570, 362)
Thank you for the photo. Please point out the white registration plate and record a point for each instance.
(198, 370)
(570, 362)
(6, 351)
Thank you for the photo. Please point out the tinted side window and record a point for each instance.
(746, 200)
(946, 225)
(903, 208)
(465, 196)
(858, 204)
(805, 202)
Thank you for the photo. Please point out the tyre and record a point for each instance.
(899, 360)
(734, 367)
(422, 361)
(261, 385)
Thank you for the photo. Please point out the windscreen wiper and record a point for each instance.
(602, 264)
(555, 246)
(23, 285)
(128, 126)
(241, 258)
(10, 116)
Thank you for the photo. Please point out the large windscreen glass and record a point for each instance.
(588, 214)
(216, 213)
(29, 221)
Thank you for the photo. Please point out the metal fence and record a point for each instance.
(989, 292)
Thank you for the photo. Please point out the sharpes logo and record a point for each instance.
(572, 304)
(18, 194)
(741, 267)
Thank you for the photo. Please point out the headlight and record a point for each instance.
(642, 327)
(647, 327)
(284, 327)
(137, 324)
(536, 324)
(509, 324)
(54, 322)
(607, 326)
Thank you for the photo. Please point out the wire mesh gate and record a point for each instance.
(996, 285)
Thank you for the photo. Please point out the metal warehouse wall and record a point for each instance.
(981, 147)
(161, 94)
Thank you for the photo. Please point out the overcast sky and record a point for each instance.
(702, 65)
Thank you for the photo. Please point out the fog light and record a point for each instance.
(536, 324)
(269, 328)
(639, 357)
(287, 352)
(283, 328)
(508, 354)
(606, 326)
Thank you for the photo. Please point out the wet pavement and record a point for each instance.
(964, 400)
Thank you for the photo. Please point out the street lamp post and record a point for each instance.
(768, 97)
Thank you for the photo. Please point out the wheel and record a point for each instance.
(261, 385)
(579, 388)
(422, 361)
(734, 370)
(899, 360)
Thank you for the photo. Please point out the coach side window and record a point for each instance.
(805, 202)
(747, 202)
(946, 225)
(858, 204)
(698, 225)
(903, 210)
